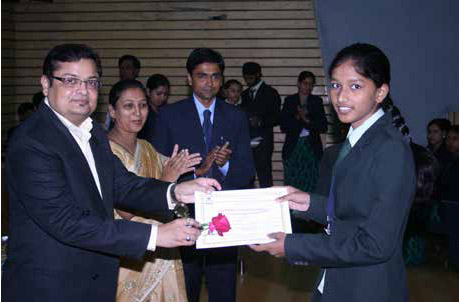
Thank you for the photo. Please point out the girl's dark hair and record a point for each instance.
(443, 124)
(121, 86)
(370, 62)
(306, 74)
(231, 82)
(157, 80)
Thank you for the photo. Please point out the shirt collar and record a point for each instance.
(257, 86)
(200, 108)
(355, 134)
(82, 131)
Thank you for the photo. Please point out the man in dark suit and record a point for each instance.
(63, 182)
(262, 104)
(219, 132)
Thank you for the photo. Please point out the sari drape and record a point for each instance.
(160, 276)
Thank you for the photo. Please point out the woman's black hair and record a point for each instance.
(157, 80)
(118, 89)
(370, 62)
(121, 86)
(443, 124)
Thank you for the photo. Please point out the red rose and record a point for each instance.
(220, 224)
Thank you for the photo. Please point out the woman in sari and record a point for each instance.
(160, 276)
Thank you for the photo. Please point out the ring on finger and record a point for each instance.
(187, 238)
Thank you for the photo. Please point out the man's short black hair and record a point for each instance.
(251, 68)
(136, 62)
(204, 55)
(69, 53)
(306, 74)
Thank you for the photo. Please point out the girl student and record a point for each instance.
(371, 191)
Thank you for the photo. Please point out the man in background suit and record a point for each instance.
(63, 182)
(262, 104)
(227, 157)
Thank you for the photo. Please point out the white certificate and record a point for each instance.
(252, 215)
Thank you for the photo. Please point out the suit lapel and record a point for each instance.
(192, 119)
(259, 94)
(74, 156)
(366, 139)
(218, 137)
(103, 167)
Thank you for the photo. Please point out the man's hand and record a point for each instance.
(298, 200)
(207, 164)
(185, 191)
(178, 232)
(223, 155)
(275, 248)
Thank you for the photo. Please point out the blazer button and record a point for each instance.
(94, 276)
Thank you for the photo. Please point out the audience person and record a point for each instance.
(222, 95)
(233, 89)
(372, 188)
(37, 99)
(426, 171)
(63, 184)
(448, 181)
(23, 111)
(219, 132)
(129, 67)
(436, 137)
(158, 94)
(262, 104)
(448, 193)
(303, 120)
(159, 276)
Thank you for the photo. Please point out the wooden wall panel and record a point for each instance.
(280, 35)
(8, 100)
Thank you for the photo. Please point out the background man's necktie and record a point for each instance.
(252, 93)
(207, 129)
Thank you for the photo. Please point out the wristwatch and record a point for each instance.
(181, 209)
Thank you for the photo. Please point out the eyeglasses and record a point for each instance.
(72, 82)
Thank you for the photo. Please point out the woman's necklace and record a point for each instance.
(131, 149)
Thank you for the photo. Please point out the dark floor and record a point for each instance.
(271, 279)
